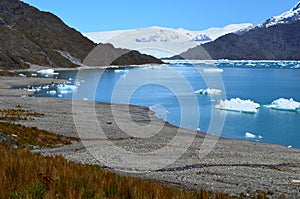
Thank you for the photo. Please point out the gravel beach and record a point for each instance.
(233, 166)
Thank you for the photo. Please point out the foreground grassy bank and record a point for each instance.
(27, 175)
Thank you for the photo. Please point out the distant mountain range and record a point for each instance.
(161, 41)
(278, 38)
(31, 37)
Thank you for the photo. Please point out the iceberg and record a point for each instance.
(253, 136)
(66, 88)
(47, 72)
(285, 105)
(213, 70)
(209, 91)
(238, 105)
(250, 135)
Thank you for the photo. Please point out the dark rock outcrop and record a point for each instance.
(30, 36)
(279, 42)
(135, 58)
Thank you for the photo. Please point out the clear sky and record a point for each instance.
(103, 15)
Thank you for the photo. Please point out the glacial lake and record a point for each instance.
(168, 90)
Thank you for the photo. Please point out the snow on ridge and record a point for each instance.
(287, 17)
(160, 41)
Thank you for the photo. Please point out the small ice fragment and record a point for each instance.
(51, 92)
(290, 146)
(198, 129)
(209, 91)
(213, 70)
(60, 95)
(47, 72)
(260, 137)
(85, 99)
(33, 75)
(22, 75)
(250, 135)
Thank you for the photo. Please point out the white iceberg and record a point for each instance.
(209, 91)
(285, 105)
(47, 72)
(213, 70)
(238, 105)
(65, 88)
(52, 92)
(252, 136)
(22, 75)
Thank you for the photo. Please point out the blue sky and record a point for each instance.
(102, 15)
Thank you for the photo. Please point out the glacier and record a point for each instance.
(238, 105)
(161, 41)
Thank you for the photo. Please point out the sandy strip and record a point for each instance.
(232, 166)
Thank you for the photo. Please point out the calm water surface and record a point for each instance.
(262, 82)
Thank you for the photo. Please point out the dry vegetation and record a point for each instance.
(7, 73)
(28, 137)
(27, 175)
(18, 114)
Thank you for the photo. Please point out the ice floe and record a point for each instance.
(252, 136)
(47, 72)
(213, 70)
(208, 91)
(238, 105)
(285, 105)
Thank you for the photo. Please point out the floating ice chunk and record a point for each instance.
(213, 70)
(209, 91)
(290, 146)
(51, 92)
(47, 72)
(33, 75)
(160, 111)
(238, 105)
(22, 75)
(198, 129)
(253, 136)
(285, 105)
(250, 135)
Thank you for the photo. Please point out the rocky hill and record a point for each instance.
(276, 39)
(30, 36)
(280, 42)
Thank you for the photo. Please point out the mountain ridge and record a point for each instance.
(280, 41)
(160, 41)
(29, 36)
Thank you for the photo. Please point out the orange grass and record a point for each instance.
(18, 114)
(31, 136)
(27, 175)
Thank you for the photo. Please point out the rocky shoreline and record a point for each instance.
(233, 166)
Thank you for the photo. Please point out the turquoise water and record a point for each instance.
(165, 92)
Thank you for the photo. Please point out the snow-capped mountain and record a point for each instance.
(287, 17)
(160, 41)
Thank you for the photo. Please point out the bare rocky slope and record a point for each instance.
(280, 42)
(30, 36)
